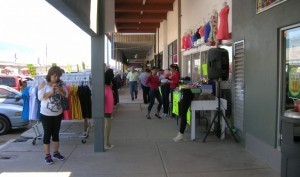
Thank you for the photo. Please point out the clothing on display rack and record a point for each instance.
(223, 32)
(76, 112)
(183, 42)
(206, 31)
(84, 93)
(25, 98)
(34, 104)
(214, 29)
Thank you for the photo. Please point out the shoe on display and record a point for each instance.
(179, 137)
(48, 159)
(58, 156)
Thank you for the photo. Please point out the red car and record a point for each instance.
(11, 81)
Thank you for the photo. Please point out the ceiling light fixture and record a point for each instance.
(144, 2)
(140, 23)
(142, 12)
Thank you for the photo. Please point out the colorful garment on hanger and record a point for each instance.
(188, 41)
(197, 34)
(201, 31)
(206, 31)
(194, 37)
(214, 29)
(76, 112)
(84, 94)
(33, 104)
(25, 96)
(223, 32)
(183, 43)
(67, 113)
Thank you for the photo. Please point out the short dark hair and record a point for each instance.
(148, 70)
(174, 66)
(53, 70)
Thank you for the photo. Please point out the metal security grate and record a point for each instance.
(238, 85)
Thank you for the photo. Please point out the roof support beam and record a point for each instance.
(147, 8)
(137, 25)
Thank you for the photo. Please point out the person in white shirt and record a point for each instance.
(133, 77)
(50, 93)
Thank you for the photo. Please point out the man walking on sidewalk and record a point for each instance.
(133, 77)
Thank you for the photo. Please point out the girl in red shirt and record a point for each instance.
(174, 81)
(154, 82)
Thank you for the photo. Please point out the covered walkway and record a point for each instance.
(143, 148)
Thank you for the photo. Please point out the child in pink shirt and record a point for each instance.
(108, 107)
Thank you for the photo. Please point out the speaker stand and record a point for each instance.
(219, 114)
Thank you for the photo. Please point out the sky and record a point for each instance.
(29, 28)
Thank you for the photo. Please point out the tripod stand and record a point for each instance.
(219, 114)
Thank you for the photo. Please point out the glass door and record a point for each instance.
(289, 74)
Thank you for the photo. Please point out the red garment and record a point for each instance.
(108, 100)
(154, 82)
(188, 41)
(175, 80)
(183, 43)
(223, 32)
(201, 31)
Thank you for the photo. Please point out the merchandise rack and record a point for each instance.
(69, 79)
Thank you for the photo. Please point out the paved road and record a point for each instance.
(13, 134)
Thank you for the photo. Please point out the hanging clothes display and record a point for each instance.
(34, 104)
(183, 43)
(25, 97)
(76, 112)
(213, 29)
(84, 94)
(188, 41)
(67, 113)
(223, 33)
(206, 31)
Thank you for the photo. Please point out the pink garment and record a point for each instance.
(108, 100)
(223, 32)
(67, 113)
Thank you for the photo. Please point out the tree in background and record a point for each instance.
(31, 69)
(69, 69)
(83, 66)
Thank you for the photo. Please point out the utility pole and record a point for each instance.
(46, 58)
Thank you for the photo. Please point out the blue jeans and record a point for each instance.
(133, 85)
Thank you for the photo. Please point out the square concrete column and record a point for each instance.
(98, 48)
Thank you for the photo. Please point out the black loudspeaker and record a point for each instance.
(218, 64)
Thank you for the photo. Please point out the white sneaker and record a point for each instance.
(108, 147)
(179, 137)
(162, 115)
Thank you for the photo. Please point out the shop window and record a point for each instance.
(289, 83)
(290, 48)
(172, 53)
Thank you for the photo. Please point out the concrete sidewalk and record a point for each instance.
(143, 148)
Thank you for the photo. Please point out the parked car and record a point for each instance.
(11, 106)
(11, 81)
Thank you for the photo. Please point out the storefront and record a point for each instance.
(258, 63)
